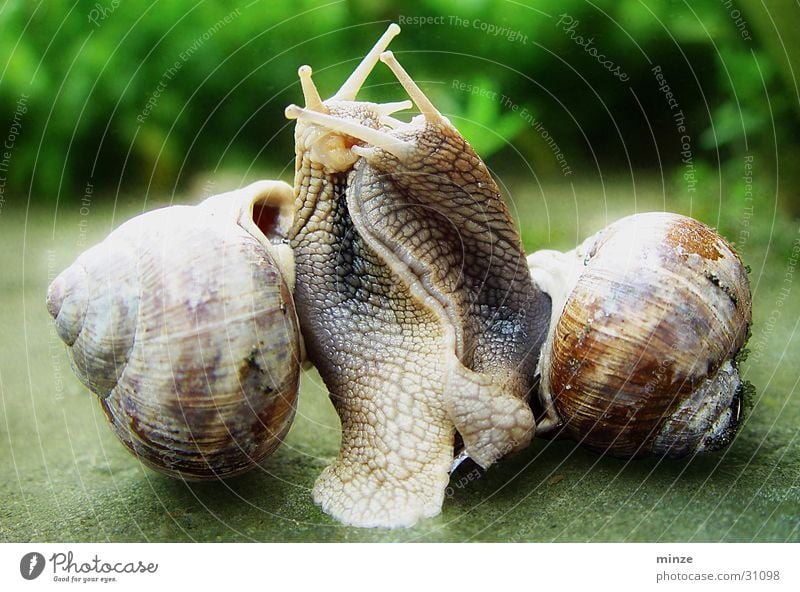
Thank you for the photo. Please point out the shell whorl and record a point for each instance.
(95, 303)
(67, 301)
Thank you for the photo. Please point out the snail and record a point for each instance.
(413, 296)
(648, 319)
(182, 323)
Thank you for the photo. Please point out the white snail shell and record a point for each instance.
(648, 317)
(182, 322)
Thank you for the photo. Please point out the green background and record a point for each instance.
(81, 163)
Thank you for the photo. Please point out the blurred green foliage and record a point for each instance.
(142, 96)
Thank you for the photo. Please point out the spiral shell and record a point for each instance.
(182, 323)
(648, 318)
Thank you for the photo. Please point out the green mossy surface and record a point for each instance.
(66, 478)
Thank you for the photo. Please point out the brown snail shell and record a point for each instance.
(648, 318)
(182, 322)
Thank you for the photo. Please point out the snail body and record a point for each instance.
(648, 318)
(182, 323)
(413, 296)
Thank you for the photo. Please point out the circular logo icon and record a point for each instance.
(31, 565)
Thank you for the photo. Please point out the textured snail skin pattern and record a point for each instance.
(416, 307)
(182, 323)
(648, 317)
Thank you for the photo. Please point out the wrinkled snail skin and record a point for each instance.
(414, 298)
(648, 318)
(182, 323)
